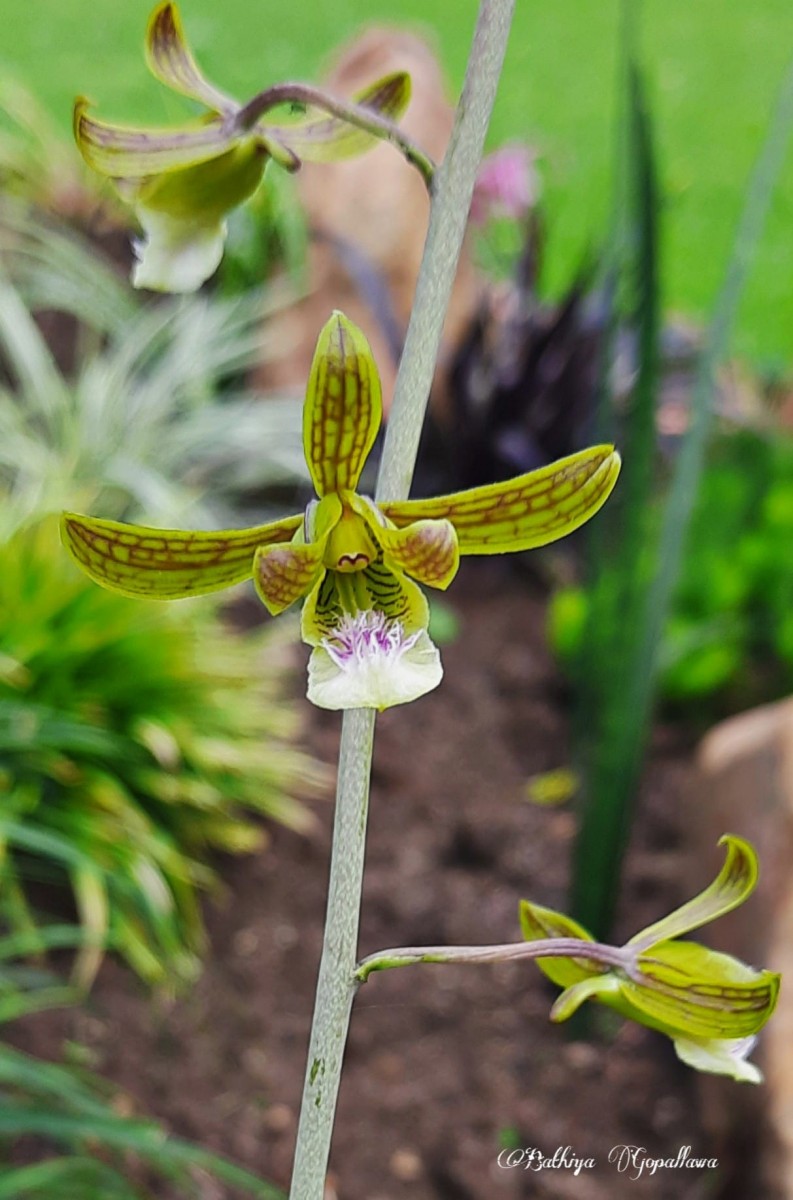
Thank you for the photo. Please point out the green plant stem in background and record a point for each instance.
(621, 694)
(453, 188)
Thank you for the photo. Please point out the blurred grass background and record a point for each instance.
(713, 72)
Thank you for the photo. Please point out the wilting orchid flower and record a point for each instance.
(710, 1004)
(183, 182)
(354, 561)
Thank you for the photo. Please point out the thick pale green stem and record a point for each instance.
(336, 983)
(452, 191)
(453, 187)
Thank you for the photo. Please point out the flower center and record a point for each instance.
(367, 636)
(350, 546)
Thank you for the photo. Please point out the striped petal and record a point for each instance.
(521, 513)
(166, 564)
(538, 923)
(735, 882)
(170, 60)
(425, 550)
(128, 152)
(686, 988)
(343, 408)
(283, 574)
(320, 138)
(375, 588)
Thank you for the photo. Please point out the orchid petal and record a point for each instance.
(374, 588)
(525, 512)
(720, 1056)
(343, 408)
(176, 255)
(735, 882)
(600, 987)
(166, 564)
(687, 989)
(369, 662)
(538, 923)
(283, 574)
(425, 550)
(170, 60)
(128, 152)
(320, 138)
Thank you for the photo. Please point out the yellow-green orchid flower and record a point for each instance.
(183, 182)
(354, 561)
(710, 1004)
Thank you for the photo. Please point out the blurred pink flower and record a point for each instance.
(506, 185)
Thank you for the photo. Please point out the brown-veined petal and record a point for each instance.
(129, 152)
(166, 564)
(522, 513)
(700, 993)
(322, 138)
(734, 883)
(170, 60)
(425, 550)
(538, 923)
(343, 408)
(284, 574)
(375, 588)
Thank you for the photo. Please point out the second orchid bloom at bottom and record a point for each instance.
(710, 1004)
(356, 563)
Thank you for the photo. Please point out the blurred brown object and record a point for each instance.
(368, 221)
(744, 785)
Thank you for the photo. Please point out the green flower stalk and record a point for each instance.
(183, 182)
(357, 564)
(711, 1005)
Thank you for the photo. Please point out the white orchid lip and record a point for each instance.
(177, 255)
(371, 662)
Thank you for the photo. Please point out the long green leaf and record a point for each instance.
(614, 620)
(62, 1177)
(137, 1137)
(622, 725)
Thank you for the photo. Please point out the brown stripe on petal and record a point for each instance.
(171, 62)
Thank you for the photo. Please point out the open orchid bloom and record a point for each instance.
(357, 564)
(710, 1004)
(183, 182)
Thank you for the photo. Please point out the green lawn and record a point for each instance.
(714, 70)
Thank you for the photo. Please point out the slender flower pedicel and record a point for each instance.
(356, 564)
(183, 182)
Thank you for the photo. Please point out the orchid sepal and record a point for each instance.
(166, 564)
(522, 513)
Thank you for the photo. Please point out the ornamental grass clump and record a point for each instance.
(356, 562)
(135, 741)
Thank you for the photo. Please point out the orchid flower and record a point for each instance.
(353, 561)
(710, 1004)
(183, 182)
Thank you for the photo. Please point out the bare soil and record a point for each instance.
(446, 1065)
